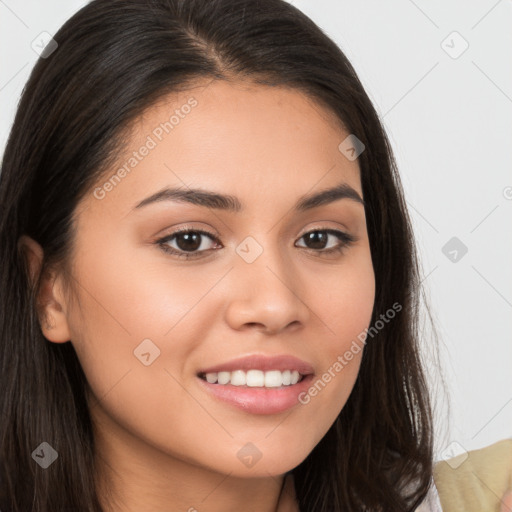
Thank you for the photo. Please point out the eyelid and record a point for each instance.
(345, 240)
(324, 227)
(186, 229)
(162, 242)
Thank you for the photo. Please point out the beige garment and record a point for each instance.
(475, 481)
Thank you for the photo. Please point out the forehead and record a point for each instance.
(253, 141)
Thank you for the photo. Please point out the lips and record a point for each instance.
(258, 400)
(263, 398)
(261, 362)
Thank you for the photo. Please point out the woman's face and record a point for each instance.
(149, 322)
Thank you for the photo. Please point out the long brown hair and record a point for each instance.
(114, 59)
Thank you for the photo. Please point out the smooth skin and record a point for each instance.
(506, 502)
(168, 445)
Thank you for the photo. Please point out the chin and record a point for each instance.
(250, 462)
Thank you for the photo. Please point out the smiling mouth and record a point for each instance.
(254, 378)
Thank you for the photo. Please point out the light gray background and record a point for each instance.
(449, 118)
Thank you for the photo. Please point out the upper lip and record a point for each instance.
(262, 362)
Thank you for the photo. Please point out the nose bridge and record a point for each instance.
(264, 263)
(266, 291)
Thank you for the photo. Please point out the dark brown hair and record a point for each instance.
(114, 59)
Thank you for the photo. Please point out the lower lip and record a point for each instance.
(259, 400)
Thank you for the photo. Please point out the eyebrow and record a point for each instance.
(208, 199)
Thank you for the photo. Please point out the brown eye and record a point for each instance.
(318, 239)
(188, 242)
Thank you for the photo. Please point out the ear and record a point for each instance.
(51, 305)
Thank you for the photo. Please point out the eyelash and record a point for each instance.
(346, 241)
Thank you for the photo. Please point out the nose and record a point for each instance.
(266, 295)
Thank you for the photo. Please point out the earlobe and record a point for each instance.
(50, 297)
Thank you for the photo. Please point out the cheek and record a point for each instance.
(129, 309)
(344, 299)
(134, 311)
(344, 303)
(133, 294)
(350, 306)
(150, 314)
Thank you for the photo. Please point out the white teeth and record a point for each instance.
(273, 379)
(223, 377)
(238, 378)
(255, 378)
(211, 378)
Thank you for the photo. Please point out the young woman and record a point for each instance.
(210, 290)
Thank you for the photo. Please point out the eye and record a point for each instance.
(317, 240)
(189, 242)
